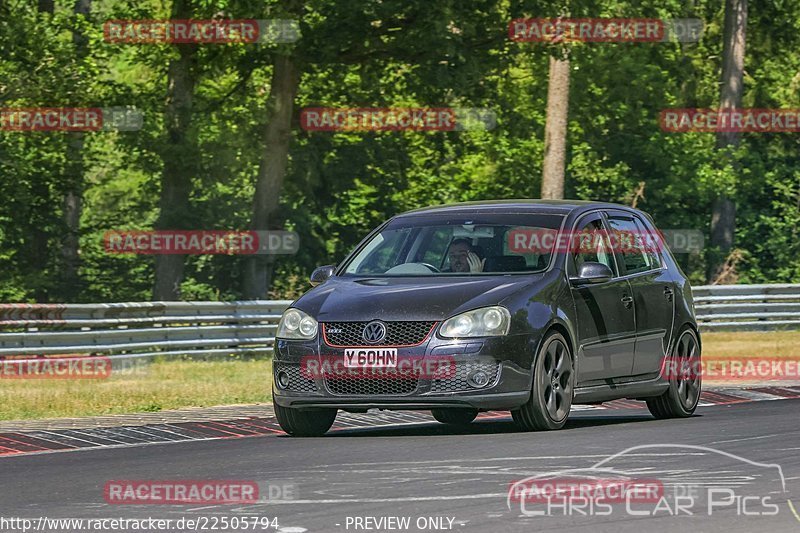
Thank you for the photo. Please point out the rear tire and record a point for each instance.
(456, 417)
(548, 406)
(305, 422)
(685, 381)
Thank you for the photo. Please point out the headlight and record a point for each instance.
(484, 322)
(296, 324)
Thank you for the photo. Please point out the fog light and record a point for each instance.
(478, 379)
(283, 379)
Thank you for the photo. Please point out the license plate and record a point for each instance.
(370, 358)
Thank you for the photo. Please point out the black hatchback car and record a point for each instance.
(529, 306)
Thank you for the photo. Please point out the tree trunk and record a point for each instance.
(272, 169)
(70, 284)
(180, 159)
(37, 248)
(723, 214)
(555, 130)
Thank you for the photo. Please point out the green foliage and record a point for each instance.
(381, 53)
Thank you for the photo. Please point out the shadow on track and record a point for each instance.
(482, 427)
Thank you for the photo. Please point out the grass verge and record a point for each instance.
(751, 344)
(155, 386)
(170, 384)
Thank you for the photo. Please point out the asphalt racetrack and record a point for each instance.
(430, 477)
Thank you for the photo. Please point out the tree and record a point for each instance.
(723, 214)
(70, 281)
(180, 158)
(555, 131)
(272, 167)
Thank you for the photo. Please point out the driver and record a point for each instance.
(464, 257)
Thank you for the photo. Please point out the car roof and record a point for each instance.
(560, 207)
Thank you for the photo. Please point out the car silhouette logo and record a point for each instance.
(374, 332)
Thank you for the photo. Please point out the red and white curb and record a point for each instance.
(30, 441)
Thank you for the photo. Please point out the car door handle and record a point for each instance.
(627, 300)
(668, 293)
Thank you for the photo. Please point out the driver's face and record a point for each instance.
(458, 257)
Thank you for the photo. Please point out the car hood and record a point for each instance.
(407, 298)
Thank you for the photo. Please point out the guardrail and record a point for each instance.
(747, 307)
(141, 329)
(145, 329)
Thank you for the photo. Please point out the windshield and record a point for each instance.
(469, 245)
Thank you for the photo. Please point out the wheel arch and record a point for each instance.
(565, 331)
(688, 325)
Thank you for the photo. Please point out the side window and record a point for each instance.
(590, 243)
(632, 245)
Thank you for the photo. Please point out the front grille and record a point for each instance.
(297, 383)
(371, 386)
(397, 333)
(458, 381)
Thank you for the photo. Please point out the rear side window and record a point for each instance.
(652, 244)
(634, 245)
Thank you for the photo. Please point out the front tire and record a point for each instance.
(548, 406)
(305, 422)
(685, 381)
(455, 417)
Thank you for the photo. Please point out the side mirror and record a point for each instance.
(321, 274)
(592, 272)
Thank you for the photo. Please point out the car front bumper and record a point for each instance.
(502, 359)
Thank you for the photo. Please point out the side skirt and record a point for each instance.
(616, 389)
